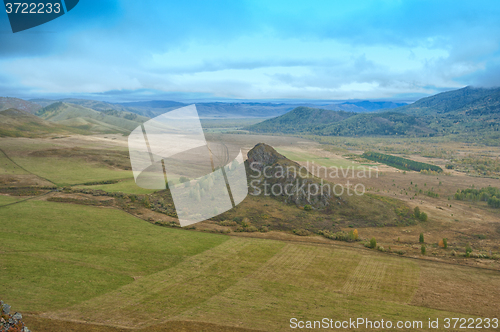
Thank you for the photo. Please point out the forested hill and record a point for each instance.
(301, 119)
(470, 113)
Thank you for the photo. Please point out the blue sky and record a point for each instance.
(128, 50)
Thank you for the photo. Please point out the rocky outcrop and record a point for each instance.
(9, 322)
(272, 174)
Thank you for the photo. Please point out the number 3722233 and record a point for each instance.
(33, 8)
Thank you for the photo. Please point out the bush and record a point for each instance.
(380, 248)
(352, 236)
(227, 223)
(421, 238)
(307, 207)
(300, 232)
(423, 216)
(401, 252)
(373, 243)
(468, 250)
(422, 249)
(445, 243)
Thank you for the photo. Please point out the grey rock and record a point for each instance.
(6, 309)
(17, 316)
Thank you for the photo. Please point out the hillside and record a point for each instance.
(110, 121)
(19, 104)
(447, 102)
(300, 119)
(473, 114)
(341, 123)
(17, 123)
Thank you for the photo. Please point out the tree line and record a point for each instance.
(400, 163)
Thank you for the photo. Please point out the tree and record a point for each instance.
(422, 249)
(421, 239)
(373, 243)
(416, 212)
(445, 243)
(423, 216)
(355, 233)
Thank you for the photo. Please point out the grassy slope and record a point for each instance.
(55, 255)
(64, 171)
(77, 262)
(8, 102)
(16, 123)
(70, 166)
(126, 186)
(60, 112)
(7, 167)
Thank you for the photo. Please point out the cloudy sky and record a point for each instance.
(129, 49)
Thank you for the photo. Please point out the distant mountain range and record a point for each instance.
(471, 112)
(216, 110)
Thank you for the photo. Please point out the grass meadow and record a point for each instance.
(127, 186)
(103, 266)
(311, 157)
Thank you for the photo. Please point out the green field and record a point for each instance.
(321, 161)
(55, 255)
(104, 266)
(10, 199)
(126, 186)
(7, 167)
(65, 171)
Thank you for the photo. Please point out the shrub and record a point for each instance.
(422, 249)
(264, 229)
(307, 207)
(380, 248)
(423, 216)
(351, 236)
(251, 229)
(227, 223)
(373, 243)
(301, 232)
(468, 250)
(445, 243)
(421, 238)
(401, 252)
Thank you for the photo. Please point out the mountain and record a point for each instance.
(19, 104)
(110, 121)
(300, 119)
(471, 113)
(449, 101)
(340, 123)
(211, 110)
(371, 106)
(18, 123)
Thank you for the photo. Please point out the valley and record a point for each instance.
(84, 248)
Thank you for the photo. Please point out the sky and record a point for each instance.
(124, 50)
